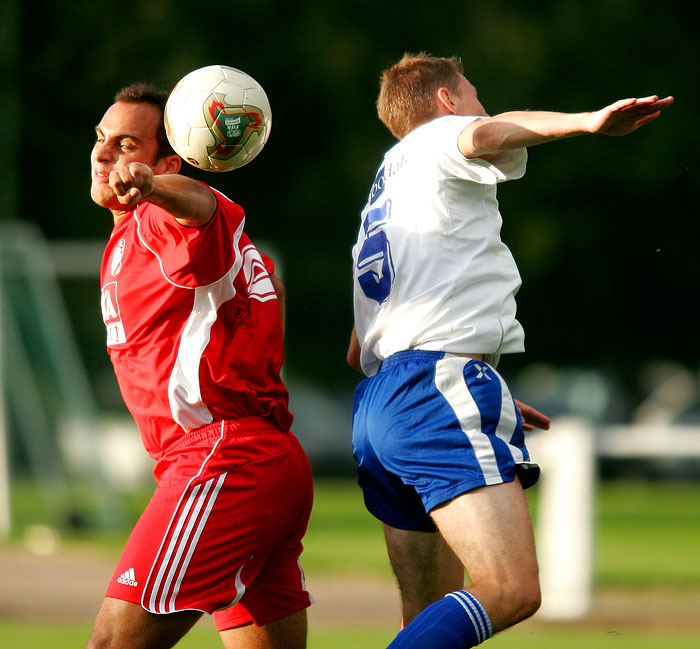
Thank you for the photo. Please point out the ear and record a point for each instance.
(444, 102)
(173, 163)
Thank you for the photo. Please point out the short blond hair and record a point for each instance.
(407, 90)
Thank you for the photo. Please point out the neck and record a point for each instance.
(118, 214)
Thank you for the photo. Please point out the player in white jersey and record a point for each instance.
(437, 435)
(431, 296)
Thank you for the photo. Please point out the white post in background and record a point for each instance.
(565, 518)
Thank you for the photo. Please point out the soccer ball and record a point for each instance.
(218, 118)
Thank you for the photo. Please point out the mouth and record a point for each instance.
(100, 176)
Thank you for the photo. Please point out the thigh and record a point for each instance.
(125, 624)
(426, 568)
(288, 632)
(274, 583)
(490, 530)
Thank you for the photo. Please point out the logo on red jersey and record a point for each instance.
(110, 315)
(256, 276)
(117, 257)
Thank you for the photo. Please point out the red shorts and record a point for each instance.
(222, 533)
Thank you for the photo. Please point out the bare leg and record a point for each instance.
(125, 624)
(426, 568)
(490, 530)
(286, 633)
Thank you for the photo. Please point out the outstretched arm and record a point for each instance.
(190, 202)
(512, 130)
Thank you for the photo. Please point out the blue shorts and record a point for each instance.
(430, 426)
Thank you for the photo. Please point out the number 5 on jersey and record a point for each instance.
(374, 267)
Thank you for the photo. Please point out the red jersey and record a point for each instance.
(193, 323)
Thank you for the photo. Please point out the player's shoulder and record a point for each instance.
(446, 124)
(226, 206)
(439, 135)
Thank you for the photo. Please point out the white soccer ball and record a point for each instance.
(218, 118)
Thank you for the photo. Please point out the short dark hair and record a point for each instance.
(407, 90)
(146, 93)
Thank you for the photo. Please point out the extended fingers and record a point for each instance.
(644, 111)
(654, 100)
(532, 417)
(627, 115)
(646, 105)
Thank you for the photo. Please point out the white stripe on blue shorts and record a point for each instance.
(429, 427)
(449, 373)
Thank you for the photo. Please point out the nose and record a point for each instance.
(101, 151)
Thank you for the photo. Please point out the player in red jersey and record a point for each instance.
(194, 331)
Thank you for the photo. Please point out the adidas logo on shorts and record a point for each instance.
(128, 578)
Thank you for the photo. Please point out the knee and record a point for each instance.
(111, 633)
(99, 640)
(521, 601)
(527, 601)
(510, 601)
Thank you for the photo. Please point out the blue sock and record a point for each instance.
(457, 621)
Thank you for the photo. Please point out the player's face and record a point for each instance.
(466, 101)
(126, 133)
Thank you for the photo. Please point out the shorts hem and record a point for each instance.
(454, 491)
(133, 600)
(402, 524)
(259, 620)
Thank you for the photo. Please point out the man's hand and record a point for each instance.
(532, 418)
(131, 182)
(626, 115)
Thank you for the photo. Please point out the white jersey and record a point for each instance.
(430, 269)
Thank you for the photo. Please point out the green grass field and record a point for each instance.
(647, 534)
(25, 636)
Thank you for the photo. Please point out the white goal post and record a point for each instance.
(565, 526)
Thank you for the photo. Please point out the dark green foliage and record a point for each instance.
(603, 229)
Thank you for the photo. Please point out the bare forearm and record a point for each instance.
(517, 129)
(190, 202)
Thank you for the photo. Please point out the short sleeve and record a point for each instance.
(192, 256)
(511, 165)
(269, 264)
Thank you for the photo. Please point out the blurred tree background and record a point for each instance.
(604, 230)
